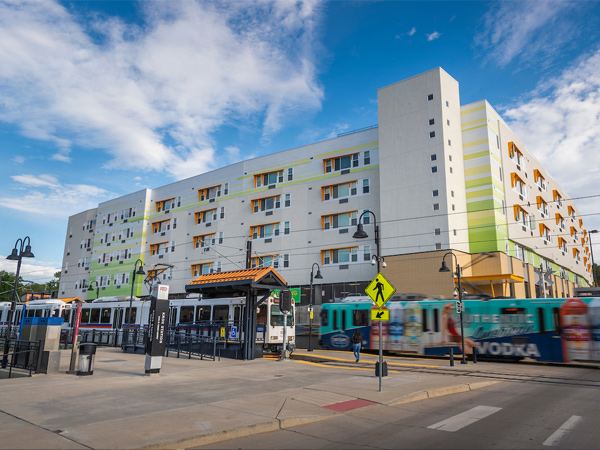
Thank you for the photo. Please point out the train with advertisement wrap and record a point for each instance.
(552, 330)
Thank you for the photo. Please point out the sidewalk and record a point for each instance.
(194, 402)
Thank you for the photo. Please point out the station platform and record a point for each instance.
(194, 402)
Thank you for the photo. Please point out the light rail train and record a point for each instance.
(198, 316)
(559, 330)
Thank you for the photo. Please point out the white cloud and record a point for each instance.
(412, 31)
(31, 270)
(49, 198)
(18, 159)
(525, 30)
(560, 123)
(432, 36)
(151, 95)
(338, 128)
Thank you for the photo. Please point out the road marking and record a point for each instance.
(562, 430)
(333, 358)
(461, 420)
(370, 369)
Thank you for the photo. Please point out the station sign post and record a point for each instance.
(158, 321)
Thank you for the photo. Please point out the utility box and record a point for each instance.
(47, 331)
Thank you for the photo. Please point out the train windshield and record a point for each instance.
(277, 317)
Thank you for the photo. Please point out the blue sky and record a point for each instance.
(102, 98)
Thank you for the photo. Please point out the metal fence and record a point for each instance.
(22, 355)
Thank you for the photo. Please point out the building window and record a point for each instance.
(453, 208)
(163, 205)
(157, 249)
(266, 204)
(202, 269)
(433, 157)
(430, 97)
(286, 227)
(265, 261)
(435, 193)
(288, 200)
(209, 193)
(290, 175)
(340, 163)
(206, 216)
(226, 189)
(264, 231)
(438, 245)
(340, 220)
(447, 103)
(450, 158)
(451, 193)
(448, 122)
(436, 206)
(205, 240)
(434, 169)
(163, 225)
(366, 186)
(339, 255)
(431, 121)
(268, 178)
(432, 134)
(341, 190)
(367, 158)
(451, 170)
(367, 253)
(437, 232)
(286, 260)
(449, 143)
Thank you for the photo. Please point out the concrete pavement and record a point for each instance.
(193, 402)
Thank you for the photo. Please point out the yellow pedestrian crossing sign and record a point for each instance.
(380, 314)
(380, 290)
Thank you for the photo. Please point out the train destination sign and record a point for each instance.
(380, 314)
(380, 290)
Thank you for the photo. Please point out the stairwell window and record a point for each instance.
(432, 134)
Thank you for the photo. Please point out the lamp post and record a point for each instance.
(592, 253)
(16, 255)
(90, 288)
(139, 271)
(318, 276)
(361, 234)
(445, 268)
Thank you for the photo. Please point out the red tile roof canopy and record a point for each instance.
(232, 283)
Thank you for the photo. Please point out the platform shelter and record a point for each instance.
(255, 284)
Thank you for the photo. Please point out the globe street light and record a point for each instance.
(139, 271)
(361, 234)
(445, 268)
(318, 276)
(16, 255)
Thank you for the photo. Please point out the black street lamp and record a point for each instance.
(139, 271)
(445, 268)
(90, 288)
(318, 276)
(592, 252)
(16, 255)
(361, 234)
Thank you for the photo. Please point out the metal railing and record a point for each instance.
(191, 344)
(21, 355)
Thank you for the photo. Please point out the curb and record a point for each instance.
(441, 392)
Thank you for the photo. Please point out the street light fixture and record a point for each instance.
(90, 288)
(136, 271)
(16, 255)
(445, 268)
(318, 276)
(360, 233)
(592, 252)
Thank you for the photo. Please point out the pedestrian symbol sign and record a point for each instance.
(380, 314)
(380, 290)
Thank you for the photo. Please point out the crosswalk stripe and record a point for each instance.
(463, 419)
(562, 430)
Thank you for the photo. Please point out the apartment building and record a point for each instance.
(436, 175)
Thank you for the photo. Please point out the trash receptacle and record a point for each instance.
(87, 353)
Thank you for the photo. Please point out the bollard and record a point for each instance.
(451, 357)
(474, 355)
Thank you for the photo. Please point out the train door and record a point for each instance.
(261, 324)
(118, 319)
(173, 315)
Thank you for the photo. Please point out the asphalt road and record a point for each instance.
(556, 410)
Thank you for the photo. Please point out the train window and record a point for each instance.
(424, 321)
(39, 313)
(131, 316)
(277, 317)
(29, 313)
(324, 317)
(65, 315)
(540, 312)
(56, 313)
(261, 315)
(220, 313)
(186, 314)
(85, 315)
(105, 315)
(95, 315)
(344, 319)
(335, 322)
(557, 326)
(237, 313)
(360, 317)
(203, 314)
(436, 320)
